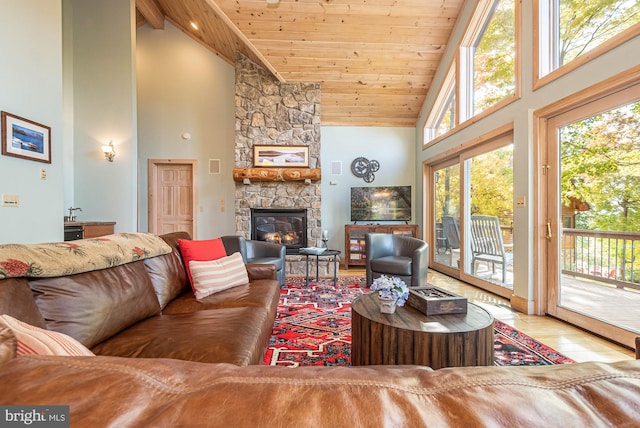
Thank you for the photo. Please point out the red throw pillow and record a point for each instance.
(200, 251)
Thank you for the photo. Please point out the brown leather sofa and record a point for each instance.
(147, 309)
(135, 392)
(159, 390)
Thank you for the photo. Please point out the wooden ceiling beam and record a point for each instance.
(220, 13)
(152, 13)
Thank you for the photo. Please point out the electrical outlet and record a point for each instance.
(10, 200)
(521, 201)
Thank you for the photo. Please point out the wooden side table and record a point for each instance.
(410, 337)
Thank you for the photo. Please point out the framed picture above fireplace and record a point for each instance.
(280, 156)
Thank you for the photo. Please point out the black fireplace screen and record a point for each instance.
(284, 226)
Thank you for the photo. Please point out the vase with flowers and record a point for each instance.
(392, 292)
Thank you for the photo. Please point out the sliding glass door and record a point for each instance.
(472, 215)
(489, 215)
(594, 220)
(446, 203)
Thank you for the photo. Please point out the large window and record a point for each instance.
(443, 115)
(494, 56)
(571, 29)
(485, 76)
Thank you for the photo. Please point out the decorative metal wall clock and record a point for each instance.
(364, 168)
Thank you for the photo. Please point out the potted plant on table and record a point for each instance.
(392, 292)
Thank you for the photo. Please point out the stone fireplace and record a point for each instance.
(281, 226)
(269, 112)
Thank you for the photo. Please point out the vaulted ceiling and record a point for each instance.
(375, 59)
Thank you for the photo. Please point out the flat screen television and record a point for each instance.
(381, 203)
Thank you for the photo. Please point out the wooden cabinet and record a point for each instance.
(84, 230)
(96, 230)
(354, 239)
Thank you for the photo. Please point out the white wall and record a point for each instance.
(521, 114)
(393, 147)
(104, 109)
(183, 87)
(31, 87)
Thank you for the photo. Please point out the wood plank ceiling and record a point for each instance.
(375, 59)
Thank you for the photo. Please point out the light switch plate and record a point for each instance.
(10, 200)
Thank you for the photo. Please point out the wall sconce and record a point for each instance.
(109, 151)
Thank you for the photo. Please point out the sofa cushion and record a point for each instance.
(93, 306)
(392, 265)
(16, 299)
(261, 293)
(32, 340)
(168, 276)
(213, 276)
(200, 250)
(233, 335)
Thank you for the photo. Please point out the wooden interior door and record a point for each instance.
(172, 196)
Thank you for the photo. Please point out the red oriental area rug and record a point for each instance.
(313, 328)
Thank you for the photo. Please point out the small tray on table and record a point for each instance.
(316, 251)
(436, 301)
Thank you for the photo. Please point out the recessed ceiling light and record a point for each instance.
(194, 25)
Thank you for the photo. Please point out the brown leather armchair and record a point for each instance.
(397, 255)
(259, 252)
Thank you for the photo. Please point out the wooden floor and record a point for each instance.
(586, 296)
(569, 340)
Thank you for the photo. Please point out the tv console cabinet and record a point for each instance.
(355, 248)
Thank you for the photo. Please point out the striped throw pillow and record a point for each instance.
(217, 275)
(37, 341)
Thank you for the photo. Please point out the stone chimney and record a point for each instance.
(274, 113)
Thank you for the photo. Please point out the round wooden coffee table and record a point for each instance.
(411, 337)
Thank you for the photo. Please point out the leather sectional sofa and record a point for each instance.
(146, 309)
(197, 364)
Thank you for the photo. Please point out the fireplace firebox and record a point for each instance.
(286, 226)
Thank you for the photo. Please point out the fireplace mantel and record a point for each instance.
(277, 174)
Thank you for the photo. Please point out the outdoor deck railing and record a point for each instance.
(610, 257)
